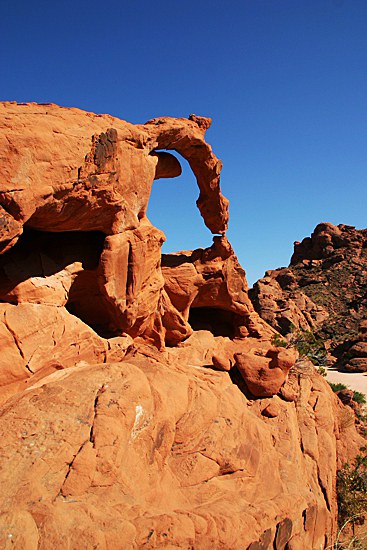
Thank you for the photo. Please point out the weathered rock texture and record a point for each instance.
(355, 358)
(146, 453)
(208, 288)
(64, 170)
(77, 187)
(142, 404)
(324, 288)
(280, 302)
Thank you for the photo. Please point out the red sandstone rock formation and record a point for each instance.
(146, 453)
(208, 288)
(65, 170)
(281, 304)
(265, 375)
(323, 289)
(355, 359)
(141, 402)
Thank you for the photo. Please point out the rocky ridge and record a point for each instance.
(142, 402)
(324, 290)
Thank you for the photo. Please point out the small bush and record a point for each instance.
(278, 342)
(322, 370)
(308, 345)
(337, 387)
(352, 492)
(305, 343)
(359, 397)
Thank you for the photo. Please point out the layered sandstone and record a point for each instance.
(142, 403)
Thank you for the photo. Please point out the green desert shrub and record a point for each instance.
(278, 341)
(359, 397)
(352, 497)
(337, 387)
(306, 344)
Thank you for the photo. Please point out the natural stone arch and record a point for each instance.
(188, 140)
(171, 208)
(102, 182)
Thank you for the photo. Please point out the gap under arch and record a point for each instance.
(172, 209)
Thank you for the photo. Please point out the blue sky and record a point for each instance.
(285, 82)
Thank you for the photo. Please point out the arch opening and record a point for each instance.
(57, 269)
(172, 209)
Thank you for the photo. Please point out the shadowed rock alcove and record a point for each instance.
(218, 321)
(57, 269)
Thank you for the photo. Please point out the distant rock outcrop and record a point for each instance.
(324, 289)
(142, 403)
(355, 359)
(280, 302)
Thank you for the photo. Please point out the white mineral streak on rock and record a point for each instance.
(139, 411)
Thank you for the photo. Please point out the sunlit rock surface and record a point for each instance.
(142, 402)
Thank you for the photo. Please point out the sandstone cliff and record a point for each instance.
(142, 403)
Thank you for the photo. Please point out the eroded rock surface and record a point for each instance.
(142, 403)
(146, 453)
(323, 289)
(279, 301)
(64, 170)
(208, 288)
(355, 358)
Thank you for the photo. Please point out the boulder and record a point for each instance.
(324, 240)
(358, 364)
(346, 397)
(264, 375)
(359, 349)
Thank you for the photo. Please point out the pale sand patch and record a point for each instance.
(356, 381)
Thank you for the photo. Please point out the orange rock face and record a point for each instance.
(142, 404)
(149, 453)
(280, 303)
(64, 170)
(265, 375)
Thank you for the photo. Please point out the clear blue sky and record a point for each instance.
(285, 82)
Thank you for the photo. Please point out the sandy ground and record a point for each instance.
(356, 381)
